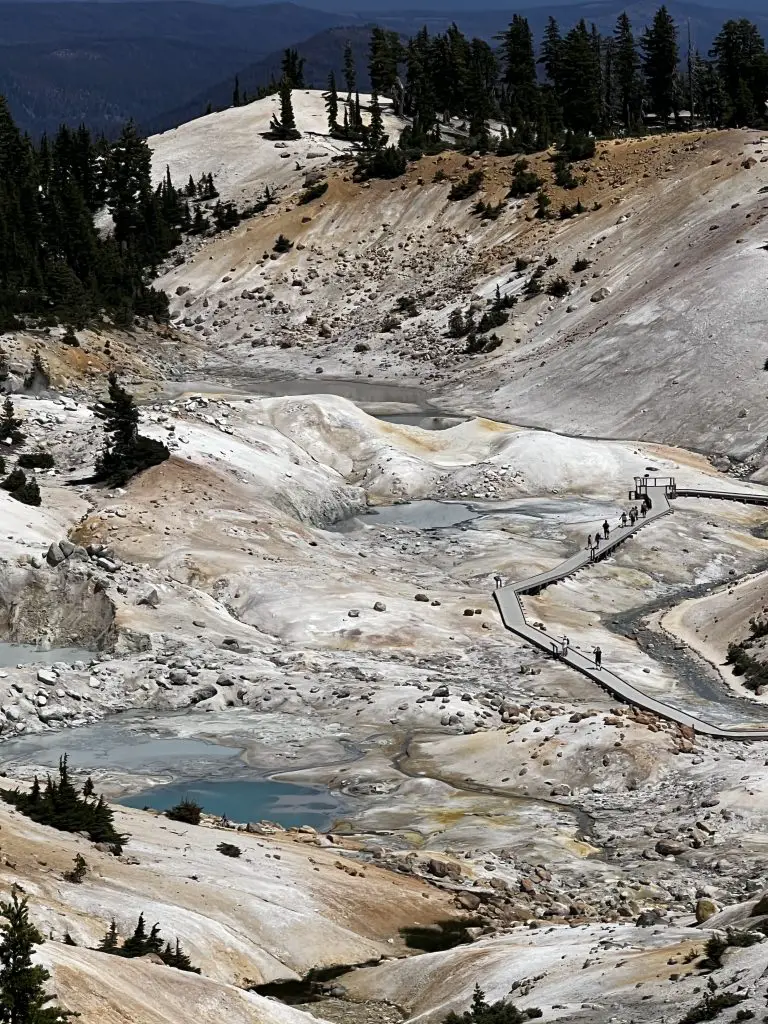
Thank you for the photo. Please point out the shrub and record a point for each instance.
(490, 319)
(313, 192)
(521, 264)
(582, 264)
(564, 176)
(70, 338)
(35, 460)
(543, 203)
(439, 176)
(482, 1012)
(282, 244)
(467, 187)
(407, 305)
(503, 301)
(558, 287)
(361, 347)
(458, 325)
(78, 871)
(577, 146)
(229, 849)
(711, 1006)
(487, 211)
(14, 481)
(524, 181)
(386, 163)
(28, 493)
(533, 286)
(186, 811)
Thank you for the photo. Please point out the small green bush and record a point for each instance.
(282, 244)
(186, 811)
(229, 849)
(581, 264)
(313, 192)
(558, 287)
(467, 187)
(35, 460)
(78, 871)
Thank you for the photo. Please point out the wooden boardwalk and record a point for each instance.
(513, 615)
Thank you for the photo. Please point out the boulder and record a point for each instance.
(66, 547)
(178, 676)
(201, 694)
(670, 848)
(705, 908)
(421, 597)
(379, 606)
(47, 676)
(648, 918)
(600, 294)
(152, 599)
(54, 555)
(759, 909)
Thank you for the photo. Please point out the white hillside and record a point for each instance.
(230, 145)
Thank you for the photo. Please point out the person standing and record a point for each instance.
(566, 645)
(623, 518)
(597, 542)
(589, 541)
(498, 580)
(606, 529)
(643, 510)
(598, 657)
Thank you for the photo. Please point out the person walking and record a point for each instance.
(643, 510)
(606, 529)
(597, 542)
(566, 644)
(598, 657)
(623, 518)
(631, 517)
(589, 541)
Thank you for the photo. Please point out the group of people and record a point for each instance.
(561, 647)
(626, 519)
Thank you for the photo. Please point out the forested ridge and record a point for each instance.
(55, 265)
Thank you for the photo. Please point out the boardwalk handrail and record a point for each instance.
(508, 600)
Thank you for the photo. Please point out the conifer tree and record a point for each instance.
(136, 944)
(741, 61)
(109, 944)
(552, 55)
(10, 424)
(661, 58)
(284, 127)
(386, 52)
(626, 73)
(236, 98)
(350, 72)
(519, 75)
(125, 452)
(23, 999)
(375, 137)
(332, 104)
(292, 69)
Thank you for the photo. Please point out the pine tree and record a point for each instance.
(109, 944)
(385, 54)
(741, 61)
(581, 94)
(284, 127)
(519, 75)
(28, 493)
(22, 984)
(136, 944)
(9, 424)
(376, 139)
(125, 452)
(661, 57)
(292, 69)
(88, 787)
(626, 73)
(552, 55)
(350, 72)
(78, 870)
(332, 104)
(236, 98)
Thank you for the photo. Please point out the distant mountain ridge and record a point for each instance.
(323, 52)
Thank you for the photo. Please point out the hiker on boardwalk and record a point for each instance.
(598, 657)
(606, 529)
(643, 510)
(589, 541)
(566, 643)
(555, 649)
(498, 580)
(623, 518)
(632, 517)
(597, 542)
